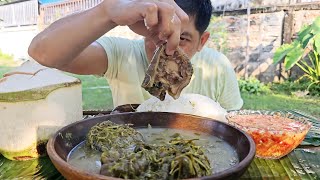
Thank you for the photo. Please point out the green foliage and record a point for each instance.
(303, 52)
(314, 90)
(281, 52)
(252, 86)
(218, 34)
(4, 56)
(288, 87)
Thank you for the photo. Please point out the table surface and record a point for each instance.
(301, 163)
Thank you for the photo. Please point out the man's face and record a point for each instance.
(190, 40)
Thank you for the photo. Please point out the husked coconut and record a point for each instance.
(35, 101)
(194, 104)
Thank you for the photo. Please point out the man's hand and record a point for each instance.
(159, 20)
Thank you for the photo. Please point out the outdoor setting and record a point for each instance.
(272, 47)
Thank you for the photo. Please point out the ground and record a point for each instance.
(97, 95)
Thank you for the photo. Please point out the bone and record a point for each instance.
(167, 74)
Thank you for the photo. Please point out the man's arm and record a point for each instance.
(68, 44)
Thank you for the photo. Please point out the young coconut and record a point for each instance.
(35, 101)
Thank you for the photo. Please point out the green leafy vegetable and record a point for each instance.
(126, 156)
(107, 135)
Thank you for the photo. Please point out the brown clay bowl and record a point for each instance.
(125, 108)
(67, 138)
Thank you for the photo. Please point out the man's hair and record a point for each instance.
(201, 10)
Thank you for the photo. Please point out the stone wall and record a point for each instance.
(303, 17)
(266, 34)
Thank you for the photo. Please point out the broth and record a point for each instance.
(220, 154)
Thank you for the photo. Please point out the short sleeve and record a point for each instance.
(214, 77)
(115, 49)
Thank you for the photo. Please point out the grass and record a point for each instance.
(97, 95)
(309, 105)
(6, 59)
(6, 63)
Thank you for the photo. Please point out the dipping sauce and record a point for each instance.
(274, 135)
(220, 154)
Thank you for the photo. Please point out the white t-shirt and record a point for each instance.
(213, 75)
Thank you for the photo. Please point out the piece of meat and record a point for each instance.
(167, 73)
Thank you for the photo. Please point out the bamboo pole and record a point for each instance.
(247, 42)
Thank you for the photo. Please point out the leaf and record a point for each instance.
(281, 52)
(316, 26)
(293, 56)
(299, 164)
(313, 136)
(317, 43)
(306, 68)
(41, 168)
(285, 162)
(305, 35)
(306, 40)
(304, 31)
(317, 62)
(296, 163)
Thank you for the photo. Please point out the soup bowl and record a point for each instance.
(63, 141)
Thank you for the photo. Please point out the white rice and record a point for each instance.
(194, 104)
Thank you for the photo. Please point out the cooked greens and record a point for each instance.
(126, 155)
(107, 135)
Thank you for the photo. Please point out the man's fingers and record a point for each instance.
(166, 13)
(150, 15)
(140, 29)
(169, 27)
(183, 17)
(162, 21)
(174, 38)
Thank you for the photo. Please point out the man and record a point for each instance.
(71, 44)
